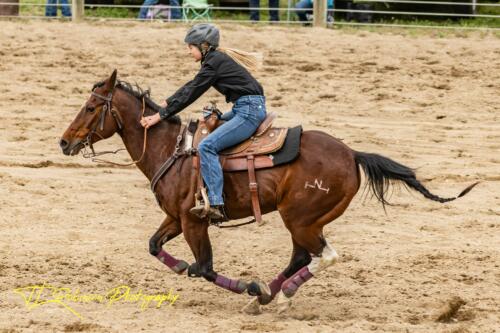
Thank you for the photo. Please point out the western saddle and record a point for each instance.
(251, 154)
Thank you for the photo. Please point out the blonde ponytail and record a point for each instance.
(250, 60)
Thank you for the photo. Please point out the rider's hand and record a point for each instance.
(164, 104)
(147, 122)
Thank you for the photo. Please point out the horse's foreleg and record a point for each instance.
(169, 229)
(196, 234)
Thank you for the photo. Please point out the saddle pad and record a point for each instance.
(291, 147)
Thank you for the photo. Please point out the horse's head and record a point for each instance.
(96, 120)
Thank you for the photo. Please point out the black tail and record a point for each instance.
(381, 170)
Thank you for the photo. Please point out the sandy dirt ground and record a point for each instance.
(428, 100)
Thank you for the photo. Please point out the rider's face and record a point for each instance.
(195, 52)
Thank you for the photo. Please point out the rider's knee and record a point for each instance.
(205, 147)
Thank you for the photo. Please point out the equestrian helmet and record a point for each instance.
(203, 32)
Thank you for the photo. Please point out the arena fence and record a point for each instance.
(464, 14)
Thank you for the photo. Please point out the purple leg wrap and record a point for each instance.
(236, 286)
(275, 284)
(290, 286)
(176, 265)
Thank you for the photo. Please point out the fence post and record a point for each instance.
(77, 10)
(319, 11)
(7, 10)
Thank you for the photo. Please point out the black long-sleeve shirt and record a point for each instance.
(220, 71)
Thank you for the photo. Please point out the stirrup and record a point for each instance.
(215, 214)
(199, 210)
(201, 204)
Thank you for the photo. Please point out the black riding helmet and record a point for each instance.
(203, 33)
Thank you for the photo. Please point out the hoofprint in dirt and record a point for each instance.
(428, 102)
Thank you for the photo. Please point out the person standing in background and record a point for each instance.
(306, 7)
(51, 8)
(273, 14)
(175, 12)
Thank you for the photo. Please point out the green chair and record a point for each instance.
(196, 10)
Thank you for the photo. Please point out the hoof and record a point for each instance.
(194, 270)
(253, 289)
(258, 288)
(264, 299)
(252, 308)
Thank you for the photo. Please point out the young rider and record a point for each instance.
(226, 71)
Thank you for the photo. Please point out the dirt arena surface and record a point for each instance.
(426, 100)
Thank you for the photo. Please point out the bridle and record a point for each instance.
(107, 106)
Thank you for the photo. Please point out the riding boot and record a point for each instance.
(217, 213)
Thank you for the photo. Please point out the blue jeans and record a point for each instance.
(51, 8)
(175, 12)
(255, 14)
(241, 122)
(307, 8)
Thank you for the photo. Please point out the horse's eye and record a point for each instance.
(90, 109)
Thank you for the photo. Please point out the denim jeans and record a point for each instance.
(175, 12)
(306, 7)
(273, 14)
(51, 8)
(242, 121)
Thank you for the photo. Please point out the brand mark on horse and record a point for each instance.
(317, 184)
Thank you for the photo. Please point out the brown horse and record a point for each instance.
(309, 192)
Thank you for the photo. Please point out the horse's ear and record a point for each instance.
(112, 80)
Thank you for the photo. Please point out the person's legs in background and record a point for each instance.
(274, 15)
(51, 8)
(305, 7)
(65, 9)
(254, 13)
(145, 7)
(329, 16)
(176, 12)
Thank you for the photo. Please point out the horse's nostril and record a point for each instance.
(63, 143)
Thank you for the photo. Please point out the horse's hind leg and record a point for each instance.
(300, 258)
(326, 257)
(309, 236)
(169, 229)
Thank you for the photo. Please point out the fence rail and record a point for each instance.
(321, 14)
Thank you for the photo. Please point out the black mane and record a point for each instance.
(139, 93)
